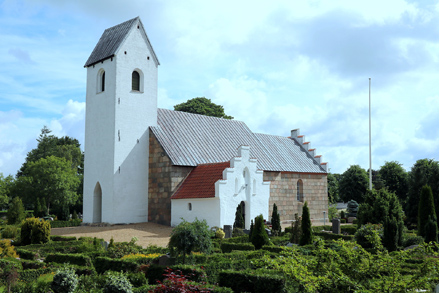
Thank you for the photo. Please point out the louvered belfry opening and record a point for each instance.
(135, 86)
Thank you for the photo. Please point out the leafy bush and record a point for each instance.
(119, 249)
(410, 240)
(9, 272)
(35, 231)
(187, 237)
(137, 279)
(117, 283)
(6, 249)
(10, 232)
(219, 233)
(229, 247)
(368, 236)
(64, 281)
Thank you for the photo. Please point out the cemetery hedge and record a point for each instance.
(329, 264)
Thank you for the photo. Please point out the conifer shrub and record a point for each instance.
(6, 249)
(296, 229)
(306, 237)
(34, 231)
(252, 226)
(427, 214)
(16, 212)
(259, 235)
(239, 220)
(275, 221)
(64, 281)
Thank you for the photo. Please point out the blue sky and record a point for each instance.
(276, 65)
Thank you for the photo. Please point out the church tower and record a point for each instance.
(121, 104)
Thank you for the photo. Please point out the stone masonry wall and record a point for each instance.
(164, 178)
(283, 192)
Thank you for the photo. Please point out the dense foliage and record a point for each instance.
(202, 106)
(259, 235)
(16, 212)
(187, 237)
(353, 184)
(427, 219)
(239, 220)
(395, 178)
(35, 231)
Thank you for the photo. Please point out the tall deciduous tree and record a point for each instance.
(395, 178)
(6, 186)
(202, 106)
(333, 186)
(51, 179)
(353, 184)
(423, 172)
(426, 213)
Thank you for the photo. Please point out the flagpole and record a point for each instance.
(370, 140)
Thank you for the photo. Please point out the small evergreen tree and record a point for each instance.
(426, 212)
(275, 221)
(252, 227)
(239, 220)
(430, 230)
(306, 237)
(296, 231)
(16, 213)
(391, 233)
(259, 235)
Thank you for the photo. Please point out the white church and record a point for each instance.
(145, 164)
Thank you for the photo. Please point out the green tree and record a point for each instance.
(51, 179)
(239, 220)
(383, 207)
(333, 187)
(16, 212)
(6, 186)
(259, 235)
(426, 212)
(395, 178)
(306, 237)
(423, 172)
(202, 106)
(275, 221)
(296, 229)
(353, 184)
(187, 237)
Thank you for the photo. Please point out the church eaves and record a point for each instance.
(111, 40)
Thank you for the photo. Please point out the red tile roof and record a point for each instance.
(201, 181)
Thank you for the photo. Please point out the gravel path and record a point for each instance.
(147, 233)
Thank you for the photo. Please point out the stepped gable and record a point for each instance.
(192, 139)
(200, 183)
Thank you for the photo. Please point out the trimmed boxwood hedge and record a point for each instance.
(103, 264)
(33, 274)
(228, 247)
(251, 281)
(75, 259)
(62, 224)
(26, 254)
(62, 238)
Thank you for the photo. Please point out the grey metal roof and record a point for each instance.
(191, 139)
(111, 40)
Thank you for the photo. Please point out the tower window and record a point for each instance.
(135, 85)
(101, 81)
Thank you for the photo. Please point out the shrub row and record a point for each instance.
(229, 247)
(349, 229)
(331, 236)
(62, 238)
(103, 264)
(26, 254)
(62, 224)
(249, 281)
(33, 274)
(76, 259)
(276, 249)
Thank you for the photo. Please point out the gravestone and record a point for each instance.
(228, 231)
(336, 226)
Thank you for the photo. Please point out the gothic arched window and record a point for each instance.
(135, 84)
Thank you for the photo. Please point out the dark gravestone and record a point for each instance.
(336, 226)
(228, 231)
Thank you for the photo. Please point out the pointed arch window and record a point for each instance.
(135, 84)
